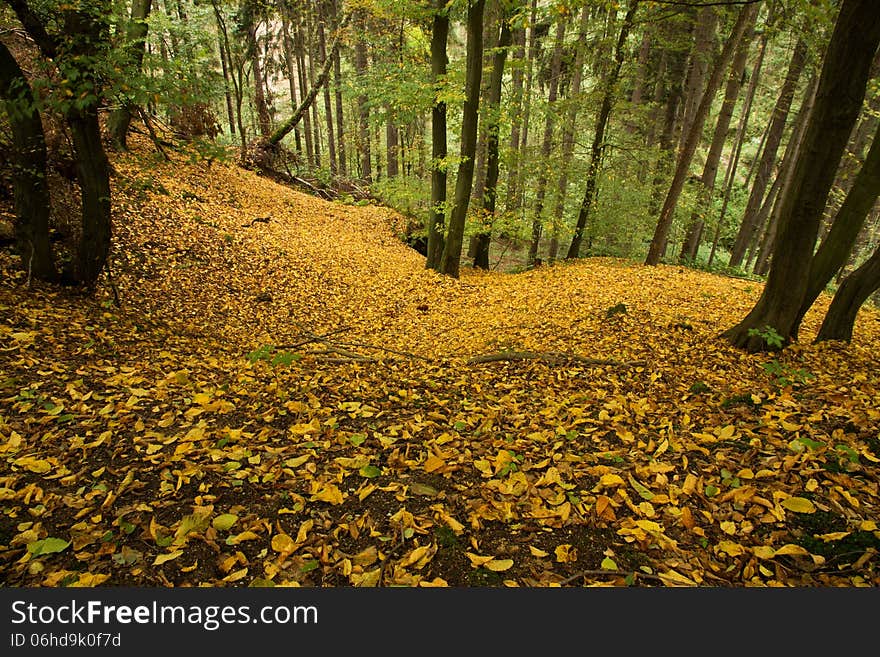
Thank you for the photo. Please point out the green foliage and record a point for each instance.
(785, 376)
(769, 335)
(273, 356)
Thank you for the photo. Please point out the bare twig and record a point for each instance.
(550, 357)
(616, 573)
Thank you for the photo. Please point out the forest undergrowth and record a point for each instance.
(285, 396)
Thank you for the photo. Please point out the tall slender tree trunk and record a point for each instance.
(516, 119)
(360, 67)
(786, 170)
(547, 143)
(135, 39)
(519, 199)
(469, 128)
(328, 105)
(698, 67)
(749, 227)
(839, 98)
(658, 243)
(568, 135)
(341, 153)
(733, 162)
(691, 244)
(493, 118)
(437, 217)
(598, 145)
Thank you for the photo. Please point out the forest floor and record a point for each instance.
(297, 401)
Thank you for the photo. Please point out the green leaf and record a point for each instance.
(711, 491)
(369, 471)
(357, 439)
(224, 521)
(47, 546)
(309, 565)
(608, 564)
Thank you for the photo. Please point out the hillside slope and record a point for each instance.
(286, 396)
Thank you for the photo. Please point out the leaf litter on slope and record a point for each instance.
(145, 440)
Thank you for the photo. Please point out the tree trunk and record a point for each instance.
(786, 170)
(437, 220)
(691, 244)
(518, 201)
(658, 242)
(598, 146)
(135, 40)
(568, 134)
(493, 109)
(340, 119)
(749, 225)
(733, 163)
(360, 67)
(547, 143)
(698, 67)
(837, 245)
(29, 187)
(470, 118)
(249, 17)
(328, 105)
(841, 316)
(516, 119)
(839, 98)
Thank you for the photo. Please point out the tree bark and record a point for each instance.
(29, 188)
(749, 226)
(547, 143)
(839, 98)
(841, 316)
(470, 118)
(658, 243)
(437, 220)
(135, 39)
(598, 146)
(837, 245)
(360, 67)
(493, 109)
(691, 244)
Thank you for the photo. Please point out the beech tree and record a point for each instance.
(839, 96)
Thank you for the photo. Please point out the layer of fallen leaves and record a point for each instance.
(284, 398)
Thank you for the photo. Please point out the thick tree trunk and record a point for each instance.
(598, 146)
(470, 118)
(698, 67)
(135, 39)
(437, 220)
(749, 226)
(29, 188)
(547, 143)
(839, 98)
(658, 242)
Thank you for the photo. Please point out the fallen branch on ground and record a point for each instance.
(550, 357)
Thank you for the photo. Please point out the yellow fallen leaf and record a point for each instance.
(537, 553)
(798, 505)
(283, 543)
(565, 553)
(791, 549)
(239, 538)
(689, 485)
(728, 527)
(162, 558)
(764, 551)
(731, 548)
(433, 464)
(609, 480)
(478, 560)
(329, 493)
(499, 565)
(832, 536)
